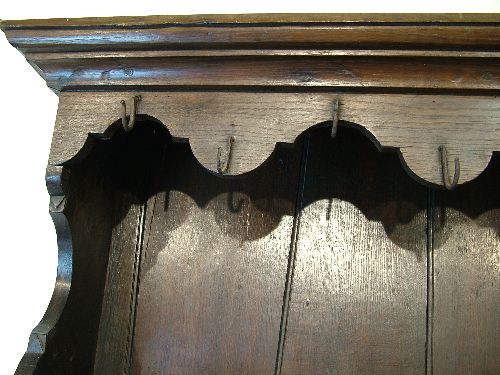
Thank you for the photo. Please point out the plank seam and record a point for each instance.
(430, 283)
(135, 284)
(292, 256)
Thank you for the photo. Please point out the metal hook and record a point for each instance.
(128, 126)
(223, 165)
(450, 185)
(335, 119)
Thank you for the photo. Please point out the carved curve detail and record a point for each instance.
(416, 125)
(40, 336)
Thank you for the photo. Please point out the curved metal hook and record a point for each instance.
(129, 125)
(335, 118)
(450, 185)
(223, 165)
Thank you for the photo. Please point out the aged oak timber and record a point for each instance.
(417, 125)
(223, 204)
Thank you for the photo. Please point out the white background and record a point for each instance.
(28, 108)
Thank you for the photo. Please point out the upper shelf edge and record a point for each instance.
(387, 51)
(269, 18)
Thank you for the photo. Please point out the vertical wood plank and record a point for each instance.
(131, 161)
(358, 299)
(466, 332)
(213, 273)
(115, 328)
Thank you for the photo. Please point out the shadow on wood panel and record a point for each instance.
(133, 163)
(358, 298)
(476, 200)
(130, 158)
(466, 259)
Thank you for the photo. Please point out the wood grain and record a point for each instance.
(307, 52)
(142, 51)
(118, 302)
(132, 179)
(212, 277)
(268, 18)
(358, 299)
(466, 332)
(415, 124)
(175, 37)
(342, 265)
(261, 71)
